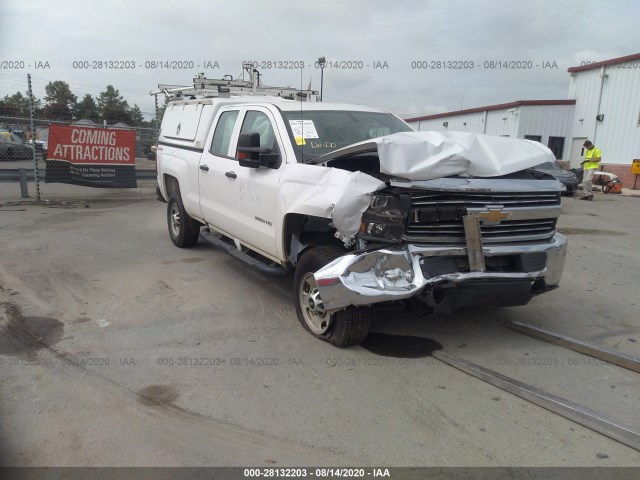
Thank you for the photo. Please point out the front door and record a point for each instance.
(241, 201)
(256, 189)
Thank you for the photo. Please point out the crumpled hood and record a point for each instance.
(430, 155)
(424, 156)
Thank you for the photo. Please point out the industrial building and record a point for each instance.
(603, 105)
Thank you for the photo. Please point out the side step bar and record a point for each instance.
(274, 270)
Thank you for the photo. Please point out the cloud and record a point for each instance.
(366, 31)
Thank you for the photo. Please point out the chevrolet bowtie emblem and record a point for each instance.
(494, 215)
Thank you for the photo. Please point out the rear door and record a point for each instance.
(216, 180)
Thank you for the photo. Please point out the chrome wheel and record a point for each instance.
(313, 311)
(175, 219)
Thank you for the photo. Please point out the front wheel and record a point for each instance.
(345, 328)
(183, 230)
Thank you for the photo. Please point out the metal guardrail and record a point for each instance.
(26, 174)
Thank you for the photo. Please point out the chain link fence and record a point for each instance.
(44, 160)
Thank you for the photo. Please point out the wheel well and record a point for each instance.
(304, 231)
(171, 185)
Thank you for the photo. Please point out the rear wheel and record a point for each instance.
(344, 328)
(183, 230)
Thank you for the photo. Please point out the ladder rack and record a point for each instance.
(226, 87)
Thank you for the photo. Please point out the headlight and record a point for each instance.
(385, 218)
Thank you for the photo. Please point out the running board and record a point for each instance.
(274, 270)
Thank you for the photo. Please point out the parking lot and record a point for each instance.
(118, 348)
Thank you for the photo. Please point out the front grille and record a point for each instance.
(480, 199)
(506, 231)
(437, 216)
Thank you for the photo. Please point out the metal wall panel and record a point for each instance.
(547, 121)
(618, 135)
(544, 120)
(474, 123)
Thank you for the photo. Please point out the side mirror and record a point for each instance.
(251, 154)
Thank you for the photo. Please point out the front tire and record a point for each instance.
(345, 328)
(183, 230)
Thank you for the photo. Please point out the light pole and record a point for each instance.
(322, 62)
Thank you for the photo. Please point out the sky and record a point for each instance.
(432, 56)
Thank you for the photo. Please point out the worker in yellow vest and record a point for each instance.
(592, 157)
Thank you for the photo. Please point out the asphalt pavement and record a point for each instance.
(118, 348)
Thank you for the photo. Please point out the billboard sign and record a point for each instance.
(92, 157)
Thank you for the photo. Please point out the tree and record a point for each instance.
(86, 109)
(113, 107)
(155, 122)
(17, 105)
(60, 101)
(137, 119)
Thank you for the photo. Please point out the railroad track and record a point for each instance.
(598, 422)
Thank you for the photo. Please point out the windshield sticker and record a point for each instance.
(323, 144)
(300, 141)
(303, 129)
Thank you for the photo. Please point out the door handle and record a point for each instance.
(230, 174)
(204, 167)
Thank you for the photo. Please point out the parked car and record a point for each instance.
(567, 178)
(13, 148)
(42, 142)
(148, 151)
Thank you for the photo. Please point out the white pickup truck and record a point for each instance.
(360, 207)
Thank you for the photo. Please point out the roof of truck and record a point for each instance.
(282, 103)
(290, 105)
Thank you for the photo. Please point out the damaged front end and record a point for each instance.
(442, 278)
(461, 221)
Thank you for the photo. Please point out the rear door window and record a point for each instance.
(222, 135)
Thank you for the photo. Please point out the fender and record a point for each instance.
(182, 165)
(324, 192)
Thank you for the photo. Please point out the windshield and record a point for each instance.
(315, 133)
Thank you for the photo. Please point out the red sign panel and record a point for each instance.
(98, 157)
(91, 145)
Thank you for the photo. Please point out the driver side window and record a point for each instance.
(259, 122)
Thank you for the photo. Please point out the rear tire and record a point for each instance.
(345, 328)
(183, 230)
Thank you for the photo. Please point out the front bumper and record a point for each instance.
(404, 271)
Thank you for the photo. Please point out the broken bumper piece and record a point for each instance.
(442, 277)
